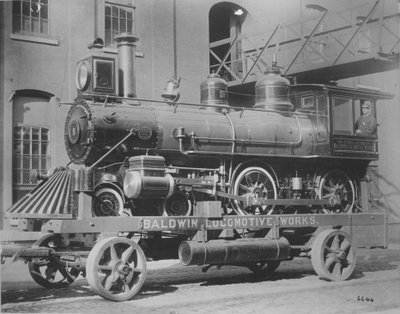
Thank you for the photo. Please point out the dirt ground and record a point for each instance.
(171, 288)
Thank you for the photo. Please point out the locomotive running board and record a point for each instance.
(274, 202)
(49, 199)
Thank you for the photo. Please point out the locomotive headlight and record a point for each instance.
(83, 75)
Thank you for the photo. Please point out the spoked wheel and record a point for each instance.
(337, 185)
(116, 268)
(333, 256)
(255, 182)
(49, 272)
(108, 202)
(263, 268)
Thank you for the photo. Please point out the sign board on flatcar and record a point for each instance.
(156, 223)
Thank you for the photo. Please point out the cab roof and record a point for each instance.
(340, 90)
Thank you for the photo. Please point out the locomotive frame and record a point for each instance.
(217, 189)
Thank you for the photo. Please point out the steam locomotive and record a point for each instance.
(295, 146)
(214, 183)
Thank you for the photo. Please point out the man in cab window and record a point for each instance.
(366, 123)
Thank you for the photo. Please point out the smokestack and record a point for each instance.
(126, 64)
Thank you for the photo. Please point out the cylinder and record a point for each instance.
(126, 64)
(233, 251)
(139, 185)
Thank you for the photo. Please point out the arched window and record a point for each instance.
(31, 138)
(225, 22)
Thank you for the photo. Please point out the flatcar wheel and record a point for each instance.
(107, 202)
(337, 185)
(263, 268)
(49, 272)
(116, 268)
(333, 256)
(255, 182)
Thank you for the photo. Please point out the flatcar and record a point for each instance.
(270, 169)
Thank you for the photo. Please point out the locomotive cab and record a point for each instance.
(343, 117)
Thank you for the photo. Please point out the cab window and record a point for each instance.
(316, 107)
(343, 122)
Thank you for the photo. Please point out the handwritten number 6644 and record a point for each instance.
(365, 299)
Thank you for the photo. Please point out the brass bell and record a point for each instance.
(171, 91)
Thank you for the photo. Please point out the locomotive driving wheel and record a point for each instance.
(257, 183)
(337, 186)
(333, 256)
(49, 272)
(116, 268)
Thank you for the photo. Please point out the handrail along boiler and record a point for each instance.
(294, 153)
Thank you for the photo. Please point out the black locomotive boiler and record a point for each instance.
(182, 174)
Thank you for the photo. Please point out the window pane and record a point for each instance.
(26, 24)
(129, 26)
(26, 8)
(17, 132)
(26, 162)
(343, 121)
(43, 163)
(35, 162)
(35, 25)
(17, 162)
(114, 11)
(44, 149)
(122, 26)
(122, 13)
(17, 147)
(35, 148)
(115, 24)
(26, 148)
(35, 134)
(45, 135)
(35, 9)
(44, 27)
(27, 134)
(108, 10)
(26, 177)
(108, 38)
(44, 12)
(108, 23)
(17, 176)
(17, 8)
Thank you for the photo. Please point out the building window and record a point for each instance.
(118, 19)
(31, 151)
(31, 16)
